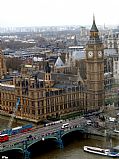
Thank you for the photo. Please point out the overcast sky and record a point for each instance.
(58, 12)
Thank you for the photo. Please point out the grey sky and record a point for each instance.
(58, 12)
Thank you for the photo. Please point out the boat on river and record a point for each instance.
(101, 151)
(116, 131)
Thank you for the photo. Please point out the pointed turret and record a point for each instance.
(94, 36)
(94, 27)
(75, 41)
(47, 68)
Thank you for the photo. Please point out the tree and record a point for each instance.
(13, 63)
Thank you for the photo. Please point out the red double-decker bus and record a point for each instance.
(4, 137)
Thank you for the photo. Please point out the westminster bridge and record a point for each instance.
(22, 142)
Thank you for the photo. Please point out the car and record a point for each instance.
(112, 119)
(89, 122)
(66, 125)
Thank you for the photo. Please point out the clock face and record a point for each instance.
(99, 53)
(90, 54)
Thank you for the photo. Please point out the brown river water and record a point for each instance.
(74, 150)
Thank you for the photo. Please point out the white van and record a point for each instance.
(112, 119)
(89, 122)
(66, 125)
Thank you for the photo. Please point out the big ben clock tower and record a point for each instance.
(95, 70)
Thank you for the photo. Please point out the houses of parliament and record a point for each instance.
(47, 95)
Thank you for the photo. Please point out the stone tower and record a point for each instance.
(95, 70)
(47, 72)
(47, 79)
(3, 70)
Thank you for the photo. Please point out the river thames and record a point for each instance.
(74, 150)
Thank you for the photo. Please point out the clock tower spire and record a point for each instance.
(94, 70)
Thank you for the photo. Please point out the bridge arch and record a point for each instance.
(13, 153)
(71, 131)
(41, 146)
(46, 138)
(74, 134)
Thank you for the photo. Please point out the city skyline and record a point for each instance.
(25, 13)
